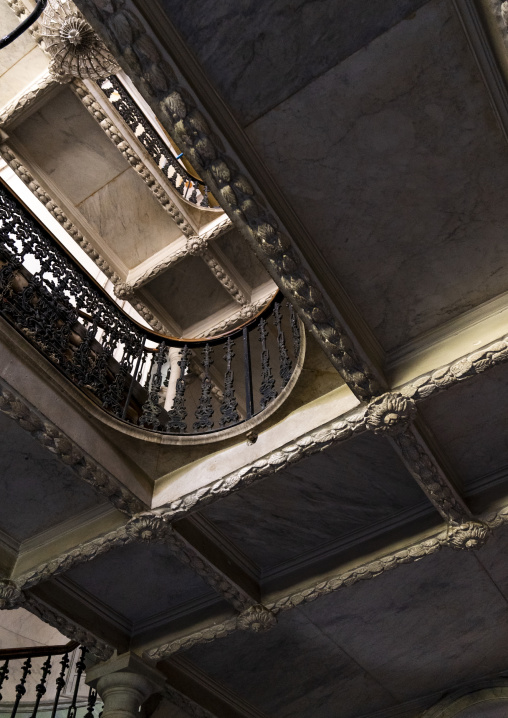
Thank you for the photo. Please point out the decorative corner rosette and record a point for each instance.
(11, 596)
(256, 618)
(390, 413)
(469, 536)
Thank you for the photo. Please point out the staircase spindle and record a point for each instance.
(267, 387)
(176, 416)
(40, 690)
(80, 667)
(60, 682)
(4, 675)
(20, 688)
(285, 363)
(229, 403)
(204, 412)
(294, 329)
(92, 698)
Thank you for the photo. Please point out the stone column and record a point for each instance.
(124, 683)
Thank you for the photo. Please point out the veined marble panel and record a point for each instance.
(326, 496)
(38, 490)
(189, 292)
(422, 628)
(293, 670)
(470, 422)
(259, 53)
(64, 141)
(394, 162)
(11, 54)
(129, 219)
(139, 580)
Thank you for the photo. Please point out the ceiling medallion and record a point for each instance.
(74, 47)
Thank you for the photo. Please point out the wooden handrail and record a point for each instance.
(12, 654)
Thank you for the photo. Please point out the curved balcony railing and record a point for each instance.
(191, 188)
(46, 680)
(162, 384)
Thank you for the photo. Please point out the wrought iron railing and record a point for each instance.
(163, 384)
(45, 680)
(191, 188)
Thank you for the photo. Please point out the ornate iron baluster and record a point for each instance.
(247, 368)
(80, 667)
(295, 330)
(92, 698)
(40, 690)
(60, 682)
(285, 363)
(204, 412)
(229, 404)
(177, 414)
(151, 408)
(4, 675)
(20, 688)
(267, 387)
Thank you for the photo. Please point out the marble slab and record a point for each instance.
(64, 141)
(396, 165)
(139, 580)
(21, 74)
(323, 498)
(38, 490)
(129, 219)
(11, 54)
(470, 422)
(189, 291)
(257, 53)
(293, 670)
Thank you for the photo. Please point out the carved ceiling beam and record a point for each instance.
(59, 444)
(131, 155)
(393, 415)
(133, 42)
(470, 536)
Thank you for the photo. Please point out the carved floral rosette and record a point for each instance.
(469, 536)
(74, 47)
(256, 618)
(390, 413)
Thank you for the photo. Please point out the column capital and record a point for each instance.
(128, 663)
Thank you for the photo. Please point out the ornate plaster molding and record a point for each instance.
(47, 434)
(246, 312)
(257, 619)
(206, 635)
(102, 650)
(126, 32)
(21, 103)
(11, 595)
(457, 371)
(390, 413)
(431, 478)
(186, 704)
(223, 277)
(131, 155)
(469, 536)
(72, 44)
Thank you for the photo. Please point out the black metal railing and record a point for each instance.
(45, 680)
(188, 185)
(163, 384)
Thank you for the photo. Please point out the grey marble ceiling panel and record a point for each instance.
(470, 422)
(189, 292)
(423, 627)
(293, 670)
(259, 53)
(394, 162)
(139, 581)
(38, 490)
(326, 497)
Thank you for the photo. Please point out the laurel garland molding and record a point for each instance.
(186, 704)
(126, 34)
(102, 650)
(21, 103)
(223, 277)
(83, 465)
(131, 155)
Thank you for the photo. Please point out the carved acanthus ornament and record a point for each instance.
(390, 413)
(257, 619)
(11, 595)
(469, 536)
(74, 47)
(16, 108)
